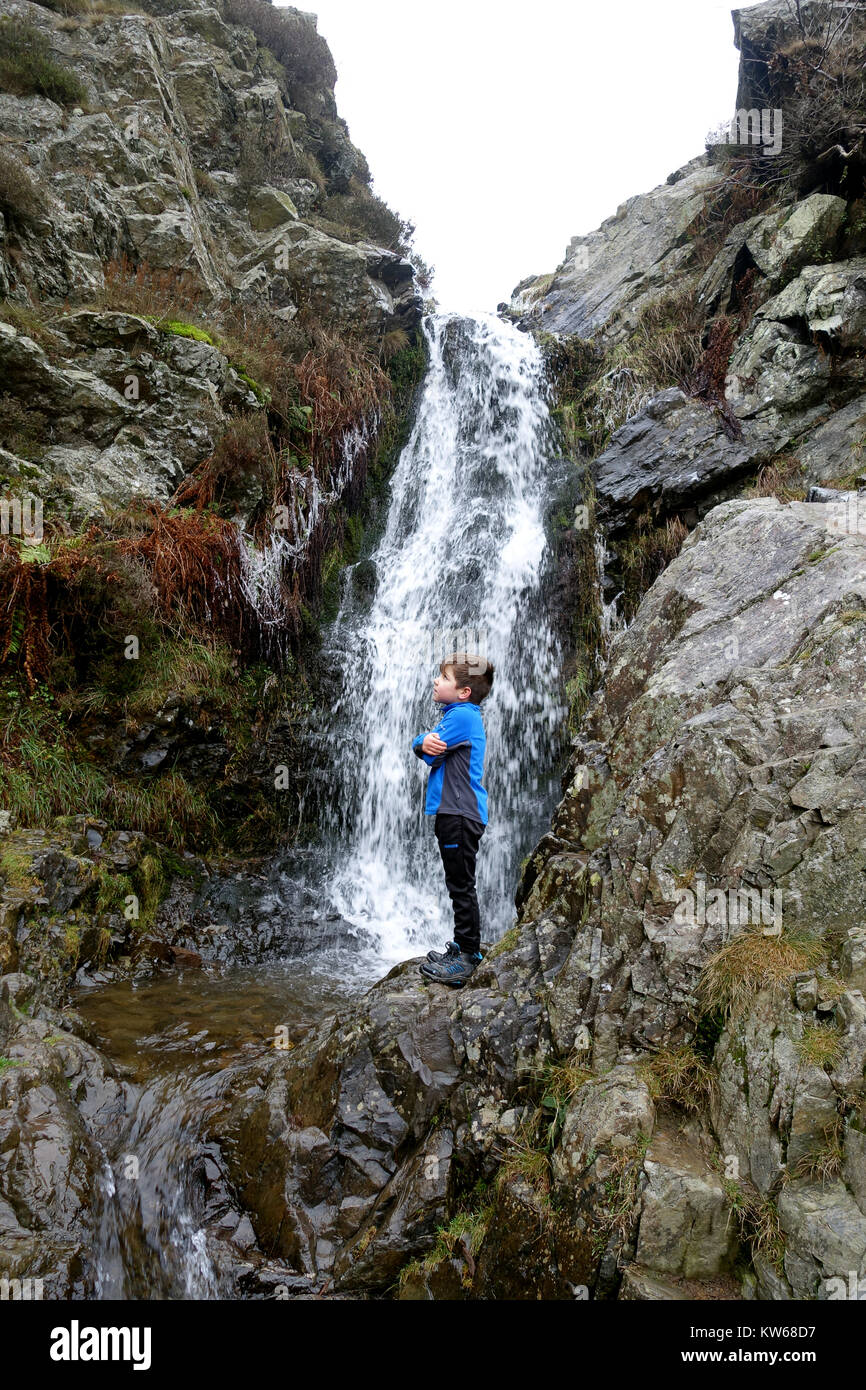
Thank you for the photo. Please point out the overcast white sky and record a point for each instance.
(502, 129)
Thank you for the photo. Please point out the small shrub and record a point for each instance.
(780, 478)
(21, 197)
(366, 215)
(27, 67)
(164, 296)
(682, 1076)
(23, 431)
(752, 962)
(646, 556)
(244, 450)
(820, 1045)
(393, 342)
(825, 1160)
(291, 38)
(758, 1222)
(206, 186)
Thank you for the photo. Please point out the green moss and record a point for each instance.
(186, 330)
(507, 942)
(16, 866)
(146, 882)
(261, 393)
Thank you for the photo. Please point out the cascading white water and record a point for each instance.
(462, 561)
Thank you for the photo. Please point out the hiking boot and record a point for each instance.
(452, 949)
(454, 971)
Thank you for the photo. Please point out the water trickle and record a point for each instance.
(463, 560)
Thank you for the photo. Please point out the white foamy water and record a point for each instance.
(464, 553)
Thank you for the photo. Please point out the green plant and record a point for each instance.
(757, 1220)
(616, 1213)
(461, 1236)
(825, 1160)
(820, 1045)
(645, 555)
(291, 38)
(22, 199)
(27, 66)
(780, 478)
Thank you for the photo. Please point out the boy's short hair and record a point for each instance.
(472, 670)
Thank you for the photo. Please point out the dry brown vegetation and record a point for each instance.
(751, 962)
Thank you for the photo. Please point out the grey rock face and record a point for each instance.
(632, 257)
(171, 95)
(781, 380)
(670, 456)
(130, 419)
(685, 1224)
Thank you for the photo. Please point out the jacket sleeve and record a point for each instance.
(417, 750)
(451, 729)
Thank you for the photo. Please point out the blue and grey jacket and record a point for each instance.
(454, 784)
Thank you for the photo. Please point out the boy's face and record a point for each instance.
(445, 692)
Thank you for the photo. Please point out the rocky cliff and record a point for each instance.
(209, 337)
(654, 1087)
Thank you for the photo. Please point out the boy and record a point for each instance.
(454, 752)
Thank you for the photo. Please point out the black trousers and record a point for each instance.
(459, 839)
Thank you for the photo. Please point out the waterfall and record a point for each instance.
(462, 560)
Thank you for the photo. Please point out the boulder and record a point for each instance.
(668, 457)
(776, 245)
(826, 1237)
(685, 1223)
(609, 1115)
(782, 381)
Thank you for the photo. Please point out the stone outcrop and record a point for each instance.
(607, 276)
(726, 746)
(171, 93)
(183, 172)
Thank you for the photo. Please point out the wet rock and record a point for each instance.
(50, 1084)
(531, 1250)
(235, 919)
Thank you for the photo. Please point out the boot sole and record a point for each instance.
(436, 980)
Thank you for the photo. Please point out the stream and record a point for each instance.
(461, 558)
